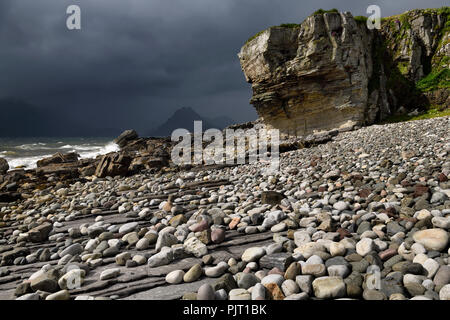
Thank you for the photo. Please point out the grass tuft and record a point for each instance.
(435, 80)
(361, 19)
(431, 113)
(321, 11)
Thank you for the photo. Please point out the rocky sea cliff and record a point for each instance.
(331, 71)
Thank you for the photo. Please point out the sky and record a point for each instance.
(135, 62)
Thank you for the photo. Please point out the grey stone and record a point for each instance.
(73, 249)
(279, 260)
(206, 292)
(246, 280)
(305, 283)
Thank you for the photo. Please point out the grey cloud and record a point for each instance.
(135, 62)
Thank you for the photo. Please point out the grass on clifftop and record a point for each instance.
(433, 112)
(435, 80)
(284, 25)
(292, 25)
(361, 19)
(289, 25)
(321, 11)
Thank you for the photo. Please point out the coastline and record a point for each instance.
(334, 209)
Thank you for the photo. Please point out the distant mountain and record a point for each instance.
(184, 119)
(22, 119)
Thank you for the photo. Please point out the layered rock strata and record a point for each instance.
(332, 72)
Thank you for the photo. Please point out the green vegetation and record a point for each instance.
(289, 25)
(446, 26)
(284, 25)
(404, 21)
(386, 54)
(435, 80)
(443, 10)
(432, 112)
(399, 83)
(403, 67)
(255, 36)
(361, 19)
(321, 11)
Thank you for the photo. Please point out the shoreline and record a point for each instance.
(334, 209)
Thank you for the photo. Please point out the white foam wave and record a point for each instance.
(25, 162)
(94, 152)
(30, 162)
(35, 146)
(83, 147)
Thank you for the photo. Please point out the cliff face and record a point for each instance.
(332, 72)
(415, 51)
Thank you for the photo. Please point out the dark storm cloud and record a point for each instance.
(136, 61)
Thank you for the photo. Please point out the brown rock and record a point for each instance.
(58, 158)
(234, 222)
(200, 226)
(387, 254)
(125, 137)
(420, 190)
(326, 225)
(271, 197)
(442, 177)
(218, 235)
(40, 233)
(343, 233)
(47, 282)
(113, 164)
(274, 292)
(87, 171)
(205, 236)
(276, 271)
(364, 193)
(168, 206)
(4, 167)
(293, 271)
(177, 220)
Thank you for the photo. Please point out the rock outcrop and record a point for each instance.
(126, 137)
(4, 167)
(414, 49)
(58, 158)
(113, 164)
(332, 72)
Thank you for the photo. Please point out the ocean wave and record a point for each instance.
(35, 146)
(110, 147)
(30, 162)
(8, 153)
(25, 162)
(85, 147)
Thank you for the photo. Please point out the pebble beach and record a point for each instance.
(363, 216)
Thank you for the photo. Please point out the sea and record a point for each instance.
(25, 152)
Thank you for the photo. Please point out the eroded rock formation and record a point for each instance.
(333, 72)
